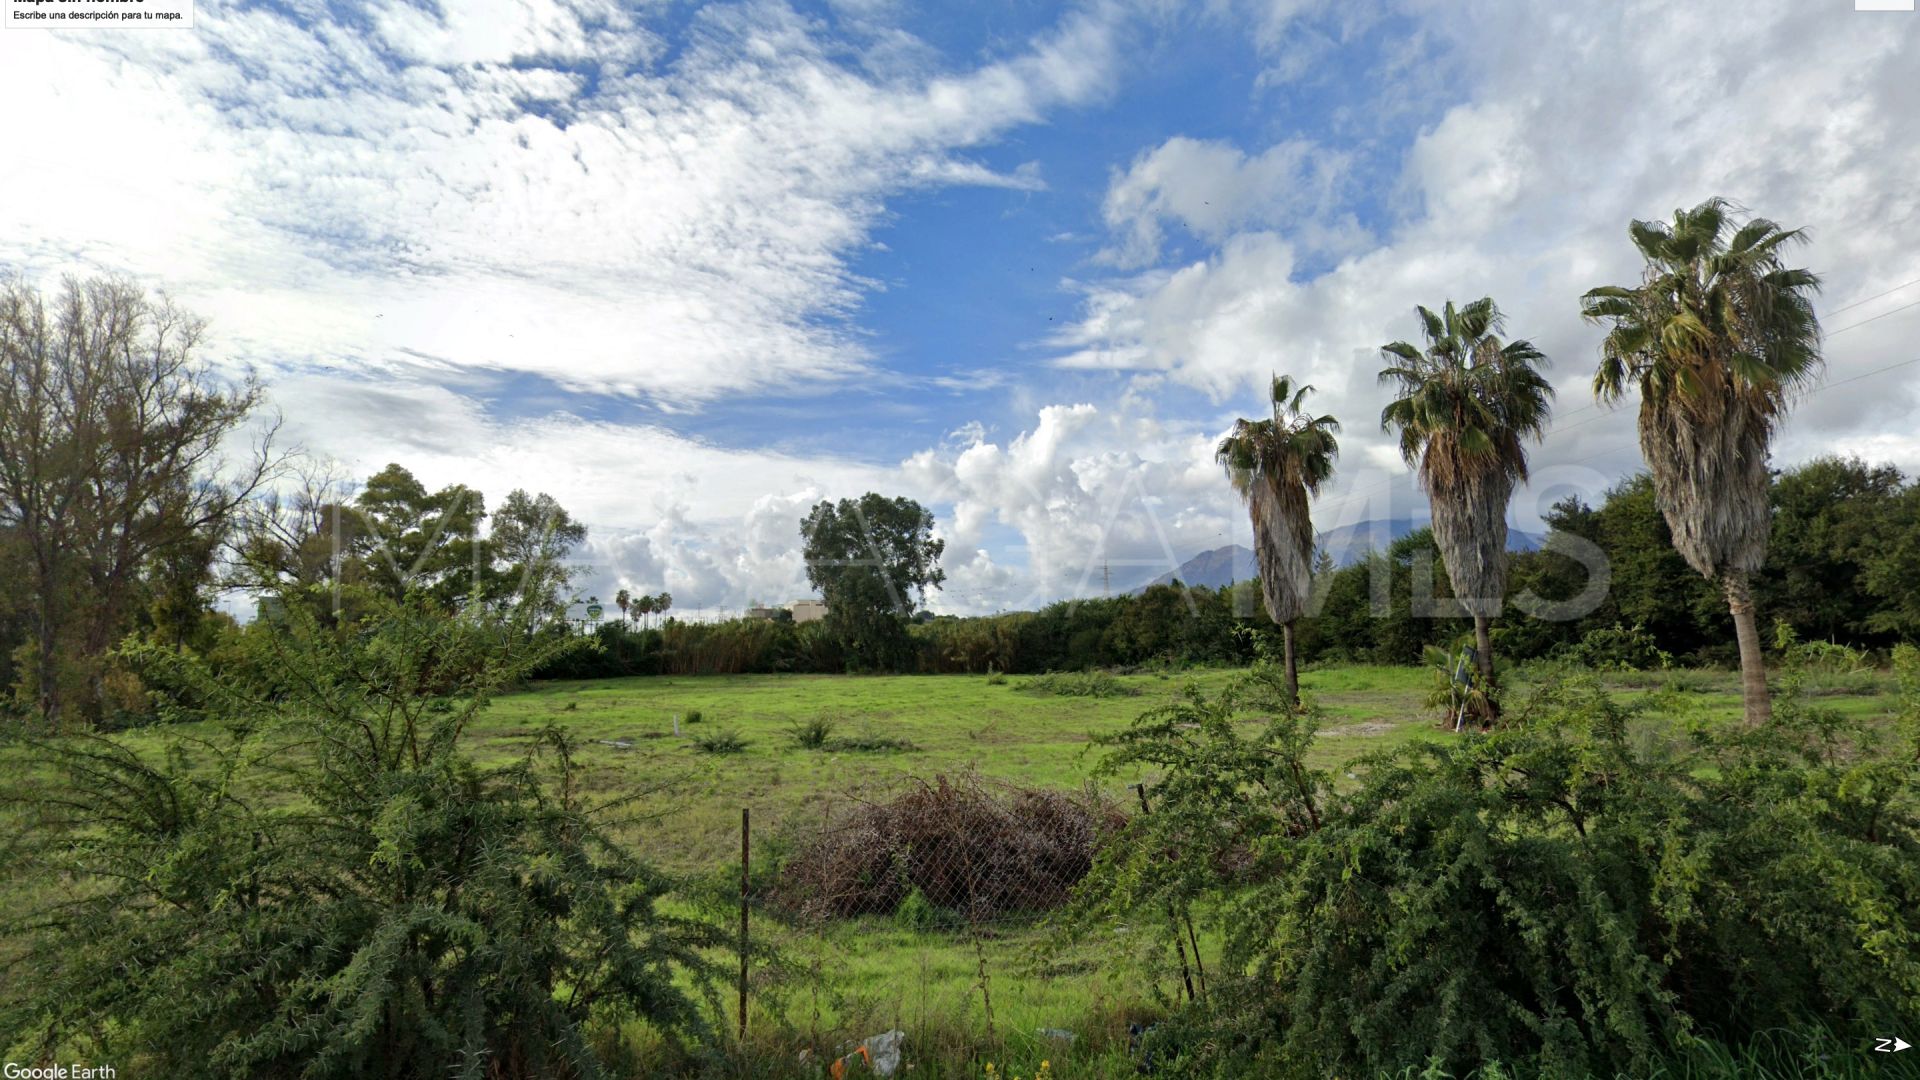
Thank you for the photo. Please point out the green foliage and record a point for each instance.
(870, 741)
(1367, 612)
(812, 734)
(1277, 464)
(1826, 657)
(1620, 648)
(1906, 668)
(331, 888)
(1572, 895)
(1079, 684)
(723, 741)
(916, 912)
(1456, 690)
(817, 733)
(692, 716)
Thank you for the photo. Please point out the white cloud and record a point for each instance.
(714, 526)
(1572, 127)
(463, 200)
(684, 231)
(1213, 189)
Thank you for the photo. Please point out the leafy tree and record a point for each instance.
(1831, 519)
(112, 434)
(1717, 337)
(1891, 565)
(532, 537)
(1277, 465)
(1465, 406)
(873, 560)
(1368, 611)
(332, 888)
(415, 540)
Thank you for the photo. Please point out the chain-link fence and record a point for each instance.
(932, 907)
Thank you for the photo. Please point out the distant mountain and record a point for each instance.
(1209, 569)
(1348, 544)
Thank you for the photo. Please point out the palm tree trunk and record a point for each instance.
(1753, 667)
(1293, 672)
(1483, 647)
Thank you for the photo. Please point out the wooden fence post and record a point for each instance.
(1173, 920)
(746, 833)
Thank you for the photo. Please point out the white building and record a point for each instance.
(807, 610)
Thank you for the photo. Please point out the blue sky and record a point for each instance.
(692, 267)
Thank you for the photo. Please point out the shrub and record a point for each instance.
(872, 742)
(1620, 648)
(692, 716)
(1455, 689)
(1099, 684)
(1573, 895)
(1906, 672)
(916, 912)
(1823, 657)
(724, 741)
(406, 912)
(812, 734)
(996, 678)
(963, 846)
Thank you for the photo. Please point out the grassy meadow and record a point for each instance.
(679, 805)
(875, 975)
(1003, 730)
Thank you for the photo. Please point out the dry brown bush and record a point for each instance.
(977, 849)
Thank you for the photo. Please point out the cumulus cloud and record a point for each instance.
(1570, 127)
(714, 526)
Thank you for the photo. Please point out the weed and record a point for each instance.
(870, 741)
(1095, 684)
(724, 741)
(812, 734)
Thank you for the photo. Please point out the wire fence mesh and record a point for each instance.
(930, 906)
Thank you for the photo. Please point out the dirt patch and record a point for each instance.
(1370, 727)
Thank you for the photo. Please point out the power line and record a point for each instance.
(1875, 296)
(1876, 318)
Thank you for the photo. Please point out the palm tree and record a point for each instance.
(623, 599)
(1717, 337)
(663, 602)
(1276, 465)
(1467, 404)
(643, 605)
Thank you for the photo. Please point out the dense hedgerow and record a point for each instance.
(333, 889)
(1580, 892)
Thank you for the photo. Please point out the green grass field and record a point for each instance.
(955, 723)
(681, 807)
(875, 975)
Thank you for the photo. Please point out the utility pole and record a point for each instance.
(1106, 579)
